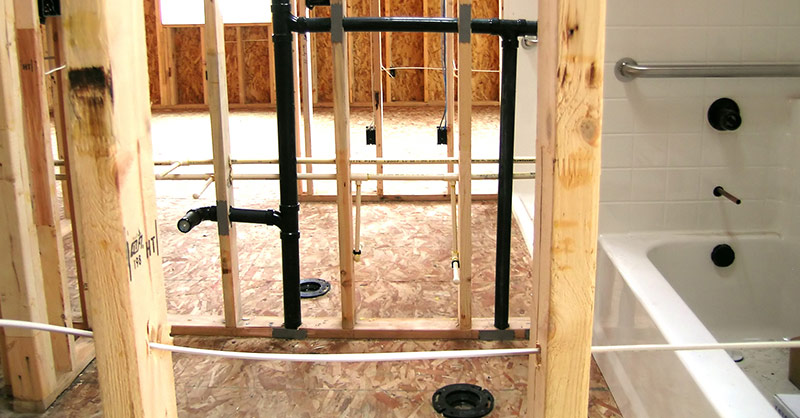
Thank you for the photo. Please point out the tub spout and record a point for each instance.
(720, 191)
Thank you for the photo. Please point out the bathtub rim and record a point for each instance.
(729, 387)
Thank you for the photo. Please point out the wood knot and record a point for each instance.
(589, 131)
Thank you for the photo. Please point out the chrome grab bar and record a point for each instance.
(627, 69)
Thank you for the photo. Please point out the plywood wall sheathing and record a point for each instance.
(485, 55)
(406, 51)
(151, 28)
(434, 79)
(188, 52)
(257, 64)
(323, 60)
(232, 64)
(361, 70)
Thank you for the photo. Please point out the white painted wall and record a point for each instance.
(525, 132)
(661, 159)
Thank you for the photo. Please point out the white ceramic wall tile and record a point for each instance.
(648, 185)
(759, 44)
(683, 184)
(761, 12)
(724, 12)
(788, 45)
(658, 127)
(680, 216)
(617, 150)
(617, 116)
(650, 150)
(614, 217)
(651, 116)
(684, 150)
(686, 115)
(790, 12)
(724, 44)
(615, 185)
(646, 217)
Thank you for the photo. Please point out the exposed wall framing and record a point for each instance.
(174, 56)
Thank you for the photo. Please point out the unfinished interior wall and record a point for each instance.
(178, 50)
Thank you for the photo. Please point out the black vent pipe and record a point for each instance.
(508, 92)
(289, 208)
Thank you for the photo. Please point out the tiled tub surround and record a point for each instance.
(663, 288)
(661, 159)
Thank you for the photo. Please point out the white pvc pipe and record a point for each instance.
(405, 356)
(303, 160)
(208, 182)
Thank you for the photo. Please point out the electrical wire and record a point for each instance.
(408, 356)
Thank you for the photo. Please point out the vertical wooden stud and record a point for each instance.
(344, 187)
(570, 80)
(465, 163)
(109, 139)
(307, 102)
(273, 92)
(240, 57)
(29, 356)
(59, 112)
(39, 149)
(377, 92)
(298, 134)
(450, 89)
(223, 182)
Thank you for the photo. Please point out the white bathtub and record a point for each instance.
(657, 288)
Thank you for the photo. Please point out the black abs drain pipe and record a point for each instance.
(290, 232)
(505, 182)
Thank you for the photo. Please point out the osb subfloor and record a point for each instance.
(211, 387)
(404, 272)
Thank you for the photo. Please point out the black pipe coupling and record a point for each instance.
(209, 213)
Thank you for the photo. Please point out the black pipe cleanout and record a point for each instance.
(508, 92)
(290, 233)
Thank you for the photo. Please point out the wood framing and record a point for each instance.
(464, 165)
(307, 98)
(21, 286)
(223, 182)
(344, 186)
(298, 133)
(570, 81)
(450, 87)
(377, 91)
(329, 327)
(38, 145)
(108, 121)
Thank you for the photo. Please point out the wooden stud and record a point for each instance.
(330, 327)
(240, 58)
(377, 92)
(204, 65)
(388, 51)
(164, 67)
(571, 42)
(55, 25)
(273, 92)
(465, 168)
(450, 88)
(298, 135)
(109, 139)
(28, 354)
(38, 145)
(52, 29)
(307, 102)
(344, 187)
(223, 182)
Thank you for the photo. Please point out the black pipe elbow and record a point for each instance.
(194, 216)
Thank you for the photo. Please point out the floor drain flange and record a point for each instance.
(463, 400)
(312, 288)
